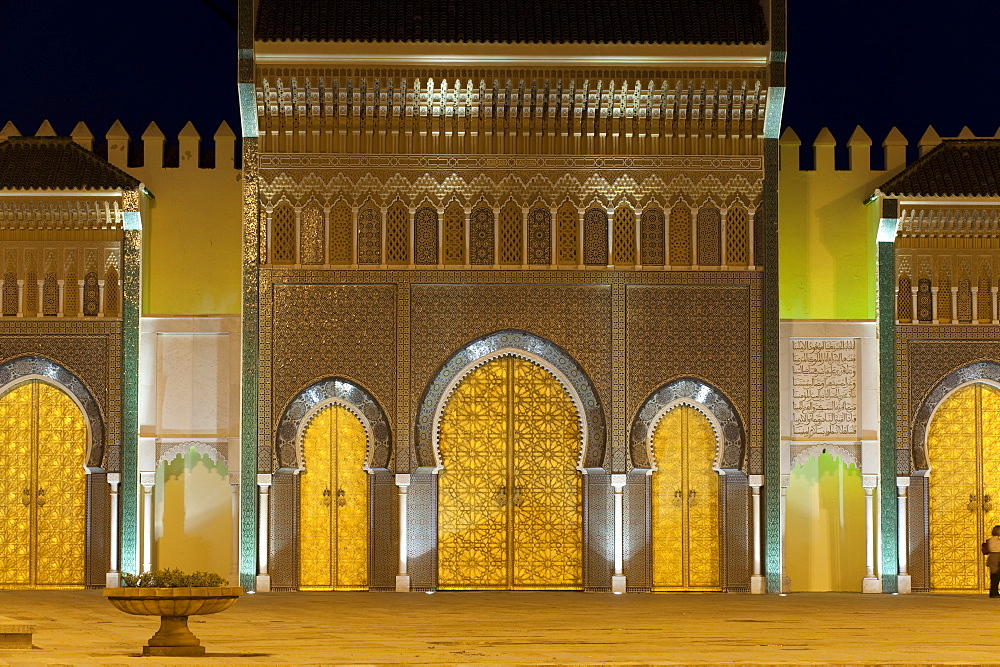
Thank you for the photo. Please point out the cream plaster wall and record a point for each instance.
(812, 546)
(189, 397)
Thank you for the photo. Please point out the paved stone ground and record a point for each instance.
(80, 627)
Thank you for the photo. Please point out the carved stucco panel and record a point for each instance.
(444, 318)
(690, 331)
(322, 331)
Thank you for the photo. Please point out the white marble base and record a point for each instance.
(263, 583)
(618, 584)
(871, 585)
(402, 583)
(904, 584)
(758, 584)
(112, 579)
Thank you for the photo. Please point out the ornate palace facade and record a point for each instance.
(493, 303)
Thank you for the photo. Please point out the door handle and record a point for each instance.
(40, 498)
(517, 500)
(26, 498)
(326, 497)
(341, 498)
(987, 503)
(677, 498)
(501, 495)
(692, 497)
(973, 505)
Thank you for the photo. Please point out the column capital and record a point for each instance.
(756, 481)
(869, 482)
(147, 479)
(402, 480)
(114, 478)
(785, 480)
(902, 482)
(264, 480)
(618, 481)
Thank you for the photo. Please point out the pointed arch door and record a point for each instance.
(510, 497)
(43, 445)
(685, 503)
(333, 503)
(963, 446)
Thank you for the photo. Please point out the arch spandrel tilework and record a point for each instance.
(706, 398)
(26, 367)
(980, 371)
(322, 392)
(513, 342)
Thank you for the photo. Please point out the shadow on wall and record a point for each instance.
(825, 526)
(193, 519)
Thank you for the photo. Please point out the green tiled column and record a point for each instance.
(128, 507)
(887, 391)
(248, 415)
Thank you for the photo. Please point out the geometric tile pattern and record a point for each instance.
(685, 502)
(333, 501)
(964, 448)
(43, 441)
(510, 504)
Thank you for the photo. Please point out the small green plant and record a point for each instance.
(171, 578)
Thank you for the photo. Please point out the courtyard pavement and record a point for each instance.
(80, 627)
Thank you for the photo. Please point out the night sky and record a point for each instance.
(872, 63)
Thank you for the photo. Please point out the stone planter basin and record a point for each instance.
(173, 606)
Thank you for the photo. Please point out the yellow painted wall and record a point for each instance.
(192, 241)
(826, 244)
(825, 526)
(193, 515)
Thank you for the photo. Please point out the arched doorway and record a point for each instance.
(333, 503)
(510, 508)
(685, 502)
(825, 525)
(963, 449)
(43, 447)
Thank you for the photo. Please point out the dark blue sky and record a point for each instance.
(876, 64)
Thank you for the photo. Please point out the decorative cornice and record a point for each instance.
(507, 162)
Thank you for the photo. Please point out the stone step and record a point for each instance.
(15, 634)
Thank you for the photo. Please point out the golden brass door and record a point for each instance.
(333, 504)
(509, 497)
(963, 445)
(685, 503)
(43, 488)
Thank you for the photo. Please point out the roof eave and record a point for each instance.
(68, 192)
(497, 54)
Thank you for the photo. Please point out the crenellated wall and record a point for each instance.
(827, 241)
(191, 243)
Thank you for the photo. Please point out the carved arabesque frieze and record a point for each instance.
(523, 186)
(510, 111)
(59, 277)
(39, 213)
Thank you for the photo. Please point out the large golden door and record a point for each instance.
(685, 503)
(510, 500)
(333, 504)
(43, 488)
(963, 445)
